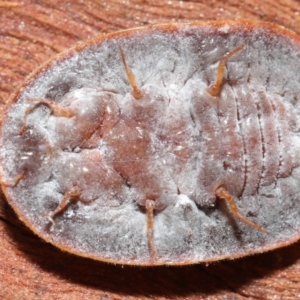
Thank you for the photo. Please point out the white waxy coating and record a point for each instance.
(175, 145)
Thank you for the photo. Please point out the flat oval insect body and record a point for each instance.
(169, 144)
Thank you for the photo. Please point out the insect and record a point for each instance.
(168, 144)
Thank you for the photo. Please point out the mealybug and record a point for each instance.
(168, 144)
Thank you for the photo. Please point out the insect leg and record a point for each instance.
(14, 181)
(55, 108)
(62, 205)
(215, 89)
(137, 93)
(222, 193)
(150, 204)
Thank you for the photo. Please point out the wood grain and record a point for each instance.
(31, 31)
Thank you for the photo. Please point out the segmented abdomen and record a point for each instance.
(246, 138)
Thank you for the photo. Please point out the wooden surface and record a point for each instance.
(31, 31)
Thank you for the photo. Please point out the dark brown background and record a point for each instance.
(30, 33)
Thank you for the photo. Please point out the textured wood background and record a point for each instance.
(31, 31)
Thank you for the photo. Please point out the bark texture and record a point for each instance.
(31, 31)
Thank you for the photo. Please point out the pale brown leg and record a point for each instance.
(62, 205)
(150, 204)
(215, 89)
(14, 181)
(55, 108)
(137, 93)
(222, 193)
